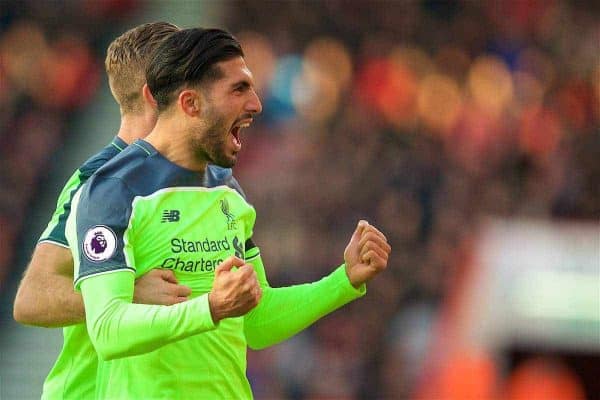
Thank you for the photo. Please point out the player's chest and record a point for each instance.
(189, 232)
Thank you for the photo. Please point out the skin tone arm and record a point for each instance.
(46, 297)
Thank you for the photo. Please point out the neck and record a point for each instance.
(170, 138)
(135, 126)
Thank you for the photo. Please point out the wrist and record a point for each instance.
(215, 315)
(340, 275)
(353, 282)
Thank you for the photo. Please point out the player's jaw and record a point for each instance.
(222, 140)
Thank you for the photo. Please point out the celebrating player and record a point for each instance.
(161, 202)
(45, 296)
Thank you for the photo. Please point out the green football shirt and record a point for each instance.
(141, 211)
(74, 372)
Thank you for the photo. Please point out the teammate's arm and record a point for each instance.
(283, 312)
(46, 297)
(119, 328)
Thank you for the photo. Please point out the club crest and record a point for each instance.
(231, 225)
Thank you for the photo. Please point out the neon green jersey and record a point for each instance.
(140, 212)
(73, 374)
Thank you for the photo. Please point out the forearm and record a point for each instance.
(119, 328)
(49, 301)
(283, 312)
(46, 297)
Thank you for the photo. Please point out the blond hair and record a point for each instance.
(127, 58)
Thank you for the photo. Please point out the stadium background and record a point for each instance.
(455, 127)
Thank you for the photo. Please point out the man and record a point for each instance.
(160, 202)
(45, 296)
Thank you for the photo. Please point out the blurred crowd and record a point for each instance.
(419, 116)
(422, 117)
(51, 56)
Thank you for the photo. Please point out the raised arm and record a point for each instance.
(283, 312)
(286, 311)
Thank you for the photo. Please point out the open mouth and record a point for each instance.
(237, 130)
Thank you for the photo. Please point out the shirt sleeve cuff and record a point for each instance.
(341, 277)
(203, 311)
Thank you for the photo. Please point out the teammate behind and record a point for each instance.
(160, 202)
(46, 297)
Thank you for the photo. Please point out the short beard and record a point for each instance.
(211, 147)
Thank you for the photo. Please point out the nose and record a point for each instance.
(253, 104)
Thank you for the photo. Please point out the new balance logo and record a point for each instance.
(170, 216)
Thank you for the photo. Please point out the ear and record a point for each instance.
(148, 96)
(189, 101)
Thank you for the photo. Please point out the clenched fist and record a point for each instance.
(366, 255)
(234, 293)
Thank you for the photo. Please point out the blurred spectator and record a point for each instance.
(48, 70)
(422, 117)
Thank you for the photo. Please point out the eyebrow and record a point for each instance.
(244, 83)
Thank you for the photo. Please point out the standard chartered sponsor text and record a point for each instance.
(199, 246)
(202, 264)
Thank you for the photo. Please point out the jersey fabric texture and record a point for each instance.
(139, 212)
(73, 375)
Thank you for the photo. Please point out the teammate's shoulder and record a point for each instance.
(96, 161)
(124, 164)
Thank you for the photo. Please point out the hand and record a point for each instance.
(366, 255)
(234, 293)
(159, 286)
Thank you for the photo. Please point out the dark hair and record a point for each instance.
(188, 57)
